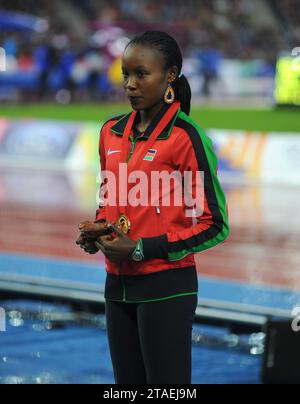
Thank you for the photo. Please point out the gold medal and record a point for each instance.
(124, 223)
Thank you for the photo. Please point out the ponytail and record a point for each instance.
(183, 93)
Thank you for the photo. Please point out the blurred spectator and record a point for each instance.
(209, 66)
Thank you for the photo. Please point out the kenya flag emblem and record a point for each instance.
(150, 155)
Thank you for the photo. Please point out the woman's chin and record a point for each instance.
(136, 107)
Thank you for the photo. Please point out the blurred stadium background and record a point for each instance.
(59, 81)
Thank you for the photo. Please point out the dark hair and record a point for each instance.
(171, 53)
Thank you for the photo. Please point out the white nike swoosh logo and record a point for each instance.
(109, 152)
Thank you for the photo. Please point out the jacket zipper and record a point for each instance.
(131, 147)
(133, 142)
(120, 265)
(158, 212)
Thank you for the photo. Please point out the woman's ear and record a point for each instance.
(172, 73)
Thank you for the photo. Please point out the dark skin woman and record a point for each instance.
(151, 286)
(145, 82)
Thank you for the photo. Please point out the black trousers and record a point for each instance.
(150, 343)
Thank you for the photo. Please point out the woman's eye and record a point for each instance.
(138, 74)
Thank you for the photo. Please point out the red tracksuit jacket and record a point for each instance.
(169, 237)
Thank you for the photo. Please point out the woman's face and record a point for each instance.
(145, 80)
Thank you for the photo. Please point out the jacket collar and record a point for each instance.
(119, 126)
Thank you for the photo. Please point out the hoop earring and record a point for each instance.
(169, 96)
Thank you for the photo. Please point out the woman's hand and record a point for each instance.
(87, 244)
(89, 232)
(93, 230)
(118, 248)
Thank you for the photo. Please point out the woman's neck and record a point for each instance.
(146, 116)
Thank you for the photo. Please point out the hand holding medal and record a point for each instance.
(120, 246)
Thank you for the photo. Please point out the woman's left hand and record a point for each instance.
(117, 249)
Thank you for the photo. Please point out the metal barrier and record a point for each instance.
(241, 317)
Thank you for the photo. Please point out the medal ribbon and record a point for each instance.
(148, 143)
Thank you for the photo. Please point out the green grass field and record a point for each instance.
(276, 120)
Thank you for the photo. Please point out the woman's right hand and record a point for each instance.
(94, 230)
(89, 233)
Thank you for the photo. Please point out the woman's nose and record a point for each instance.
(130, 84)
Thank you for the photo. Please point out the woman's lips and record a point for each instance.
(135, 100)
